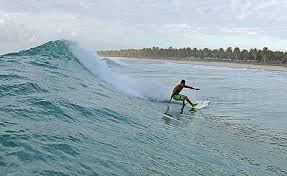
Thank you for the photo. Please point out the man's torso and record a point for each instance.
(177, 89)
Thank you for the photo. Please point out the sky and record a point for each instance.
(116, 24)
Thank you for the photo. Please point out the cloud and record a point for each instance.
(13, 35)
(118, 24)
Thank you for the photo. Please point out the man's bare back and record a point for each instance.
(177, 89)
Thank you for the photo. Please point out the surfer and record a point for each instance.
(179, 97)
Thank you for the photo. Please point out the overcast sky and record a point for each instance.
(114, 24)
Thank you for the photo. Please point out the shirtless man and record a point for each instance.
(178, 97)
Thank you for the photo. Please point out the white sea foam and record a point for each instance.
(139, 88)
(115, 62)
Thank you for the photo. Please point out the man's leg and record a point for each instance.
(183, 104)
(192, 104)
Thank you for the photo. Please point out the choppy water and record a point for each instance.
(64, 111)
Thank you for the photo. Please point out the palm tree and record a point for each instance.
(264, 54)
(205, 52)
(215, 54)
(253, 54)
(221, 53)
(195, 52)
(244, 54)
(236, 52)
(229, 52)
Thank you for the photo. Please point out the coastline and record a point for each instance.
(216, 63)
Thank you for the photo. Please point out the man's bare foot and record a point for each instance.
(193, 104)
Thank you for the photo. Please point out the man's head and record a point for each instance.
(182, 82)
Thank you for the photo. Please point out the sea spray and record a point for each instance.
(145, 89)
(114, 62)
(101, 69)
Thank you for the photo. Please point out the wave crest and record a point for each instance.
(51, 49)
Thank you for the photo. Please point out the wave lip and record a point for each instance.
(51, 49)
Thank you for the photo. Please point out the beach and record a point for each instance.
(218, 64)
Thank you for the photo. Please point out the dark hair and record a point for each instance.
(182, 81)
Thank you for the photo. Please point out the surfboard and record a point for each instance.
(200, 104)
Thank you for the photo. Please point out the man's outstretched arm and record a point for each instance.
(191, 87)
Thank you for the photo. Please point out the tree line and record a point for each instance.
(264, 56)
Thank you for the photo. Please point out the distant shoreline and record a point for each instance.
(247, 65)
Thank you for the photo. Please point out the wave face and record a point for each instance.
(58, 114)
(64, 111)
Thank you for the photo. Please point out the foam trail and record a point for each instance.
(117, 62)
(139, 88)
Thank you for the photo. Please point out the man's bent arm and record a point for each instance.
(173, 94)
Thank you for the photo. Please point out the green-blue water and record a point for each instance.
(63, 111)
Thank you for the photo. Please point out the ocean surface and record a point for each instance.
(65, 111)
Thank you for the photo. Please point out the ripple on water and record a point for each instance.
(9, 77)
(21, 89)
(61, 149)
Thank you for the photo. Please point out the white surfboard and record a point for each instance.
(200, 104)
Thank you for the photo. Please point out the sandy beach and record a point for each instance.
(232, 65)
(218, 64)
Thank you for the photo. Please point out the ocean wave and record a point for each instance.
(54, 55)
(64, 111)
